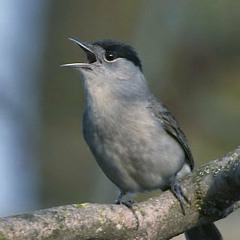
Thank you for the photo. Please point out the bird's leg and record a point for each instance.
(119, 200)
(177, 191)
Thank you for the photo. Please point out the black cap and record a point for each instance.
(121, 50)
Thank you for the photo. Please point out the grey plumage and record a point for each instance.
(132, 135)
(172, 127)
(131, 146)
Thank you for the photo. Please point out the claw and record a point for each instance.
(128, 203)
(177, 191)
(119, 200)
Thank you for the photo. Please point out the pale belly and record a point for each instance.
(136, 158)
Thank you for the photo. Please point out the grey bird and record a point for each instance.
(133, 136)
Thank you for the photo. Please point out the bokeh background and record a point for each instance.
(190, 52)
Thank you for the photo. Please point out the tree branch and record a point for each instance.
(213, 190)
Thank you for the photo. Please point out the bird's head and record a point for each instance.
(112, 65)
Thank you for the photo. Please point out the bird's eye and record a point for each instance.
(110, 56)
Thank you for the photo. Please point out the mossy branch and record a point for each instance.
(213, 189)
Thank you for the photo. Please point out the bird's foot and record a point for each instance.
(128, 203)
(177, 191)
(119, 200)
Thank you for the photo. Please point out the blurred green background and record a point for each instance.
(190, 52)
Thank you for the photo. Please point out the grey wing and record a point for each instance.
(171, 126)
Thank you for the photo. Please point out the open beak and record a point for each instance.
(91, 56)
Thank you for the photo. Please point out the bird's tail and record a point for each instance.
(204, 232)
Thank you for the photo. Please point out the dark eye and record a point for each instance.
(110, 56)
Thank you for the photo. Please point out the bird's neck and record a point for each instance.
(102, 103)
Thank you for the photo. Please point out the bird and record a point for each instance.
(133, 136)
